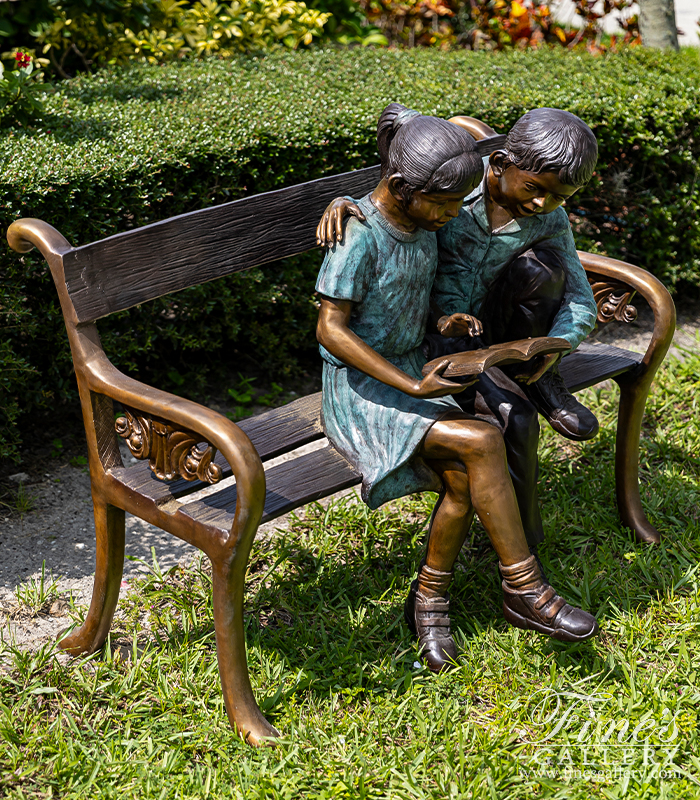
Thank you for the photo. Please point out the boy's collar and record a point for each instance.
(477, 202)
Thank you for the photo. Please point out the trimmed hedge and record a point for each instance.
(122, 148)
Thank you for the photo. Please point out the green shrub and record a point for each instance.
(123, 148)
(80, 34)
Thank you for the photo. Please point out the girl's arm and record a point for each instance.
(334, 334)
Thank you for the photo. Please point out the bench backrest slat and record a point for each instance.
(140, 265)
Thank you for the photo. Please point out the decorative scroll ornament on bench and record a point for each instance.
(613, 300)
(172, 453)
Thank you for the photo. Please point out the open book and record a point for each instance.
(472, 362)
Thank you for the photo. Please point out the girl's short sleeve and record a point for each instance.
(346, 269)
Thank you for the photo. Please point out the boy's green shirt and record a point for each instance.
(470, 258)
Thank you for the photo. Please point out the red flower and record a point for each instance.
(23, 59)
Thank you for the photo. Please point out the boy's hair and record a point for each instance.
(552, 140)
(431, 154)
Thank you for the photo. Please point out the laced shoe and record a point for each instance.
(560, 408)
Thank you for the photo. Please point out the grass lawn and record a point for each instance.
(335, 669)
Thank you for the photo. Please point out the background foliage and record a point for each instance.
(79, 34)
(126, 147)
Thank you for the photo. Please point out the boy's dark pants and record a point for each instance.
(521, 302)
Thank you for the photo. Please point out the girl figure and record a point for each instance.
(403, 432)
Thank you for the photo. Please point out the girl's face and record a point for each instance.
(430, 211)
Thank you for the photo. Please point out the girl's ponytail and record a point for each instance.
(429, 153)
(392, 118)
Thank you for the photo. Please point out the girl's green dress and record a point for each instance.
(388, 275)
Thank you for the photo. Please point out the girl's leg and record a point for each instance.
(427, 606)
(469, 455)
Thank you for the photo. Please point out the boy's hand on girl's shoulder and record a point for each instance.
(459, 325)
(330, 228)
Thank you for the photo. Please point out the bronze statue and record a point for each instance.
(404, 432)
(509, 259)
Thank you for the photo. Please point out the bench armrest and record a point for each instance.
(652, 290)
(104, 378)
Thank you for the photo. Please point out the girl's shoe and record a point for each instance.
(428, 618)
(530, 602)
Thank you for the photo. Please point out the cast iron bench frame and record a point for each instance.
(183, 446)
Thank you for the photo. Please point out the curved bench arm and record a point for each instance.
(27, 233)
(229, 558)
(635, 385)
(105, 379)
(98, 379)
(652, 290)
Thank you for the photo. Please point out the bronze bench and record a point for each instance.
(184, 446)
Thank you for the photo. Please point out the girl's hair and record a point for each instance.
(430, 154)
(552, 140)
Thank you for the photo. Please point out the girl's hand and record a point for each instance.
(434, 385)
(330, 228)
(459, 325)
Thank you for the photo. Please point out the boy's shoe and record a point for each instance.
(530, 602)
(560, 408)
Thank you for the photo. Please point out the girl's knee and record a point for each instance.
(488, 440)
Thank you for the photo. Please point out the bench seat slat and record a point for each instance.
(273, 433)
(593, 363)
(289, 485)
(283, 429)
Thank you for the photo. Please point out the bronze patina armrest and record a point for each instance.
(614, 284)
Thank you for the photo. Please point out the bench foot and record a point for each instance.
(633, 397)
(109, 566)
(243, 712)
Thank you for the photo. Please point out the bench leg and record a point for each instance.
(242, 710)
(109, 566)
(633, 397)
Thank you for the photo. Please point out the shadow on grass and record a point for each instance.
(324, 606)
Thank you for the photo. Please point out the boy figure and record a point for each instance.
(509, 259)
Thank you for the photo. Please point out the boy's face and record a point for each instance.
(524, 193)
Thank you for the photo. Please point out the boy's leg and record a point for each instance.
(501, 401)
(524, 298)
(522, 302)
(498, 400)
